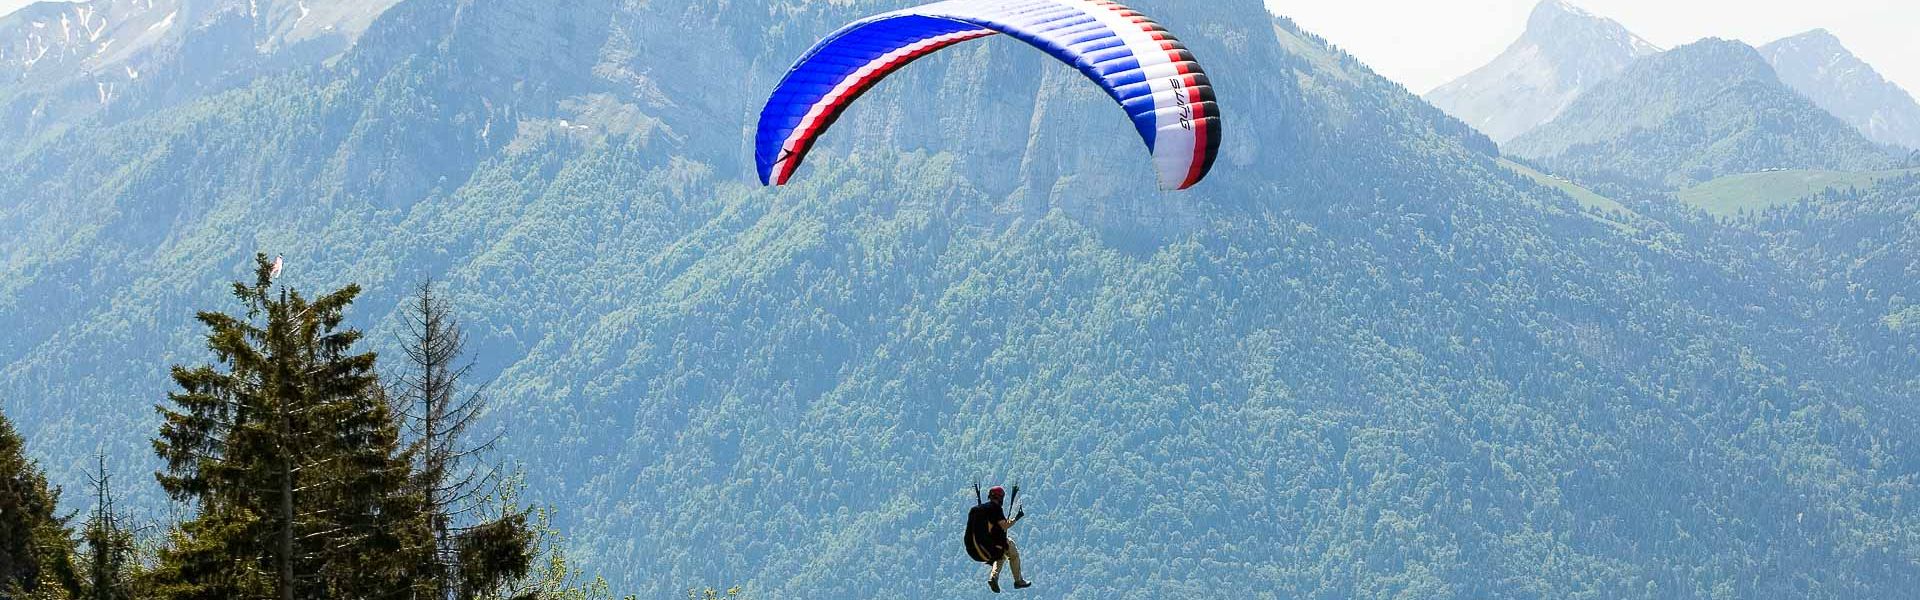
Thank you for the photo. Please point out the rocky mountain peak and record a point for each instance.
(1814, 39)
(1575, 37)
(88, 56)
(1564, 51)
(1818, 65)
(1553, 13)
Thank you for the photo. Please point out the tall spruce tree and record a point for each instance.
(472, 553)
(289, 453)
(36, 547)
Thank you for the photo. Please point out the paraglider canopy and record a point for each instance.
(1138, 62)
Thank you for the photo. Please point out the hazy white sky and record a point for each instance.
(1425, 43)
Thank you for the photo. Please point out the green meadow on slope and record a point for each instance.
(1584, 196)
(1735, 195)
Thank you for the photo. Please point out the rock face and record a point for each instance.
(1564, 52)
(1816, 64)
(62, 61)
(1697, 112)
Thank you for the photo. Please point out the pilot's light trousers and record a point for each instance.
(1010, 559)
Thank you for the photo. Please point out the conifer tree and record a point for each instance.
(36, 547)
(289, 453)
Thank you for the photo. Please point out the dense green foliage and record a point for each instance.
(294, 462)
(1364, 360)
(1694, 113)
(36, 550)
(292, 465)
(1864, 240)
(291, 458)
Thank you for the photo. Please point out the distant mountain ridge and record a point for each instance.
(1693, 113)
(1818, 65)
(1564, 51)
(64, 61)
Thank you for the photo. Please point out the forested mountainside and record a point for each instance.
(1693, 113)
(1818, 65)
(1564, 52)
(1863, 239)
(1363, 360)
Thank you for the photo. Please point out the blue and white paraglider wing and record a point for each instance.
(1142, 66)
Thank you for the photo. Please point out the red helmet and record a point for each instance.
(997, 492)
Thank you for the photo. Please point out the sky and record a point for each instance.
(1425, 43)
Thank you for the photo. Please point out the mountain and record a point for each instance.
(1819, 66)
(62, 62)
(1565, 51)
(1364, 359)
(1694, 113)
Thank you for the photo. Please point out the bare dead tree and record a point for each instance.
(440, 410)
(110, 545)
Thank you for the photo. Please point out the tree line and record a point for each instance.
(302, 474)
